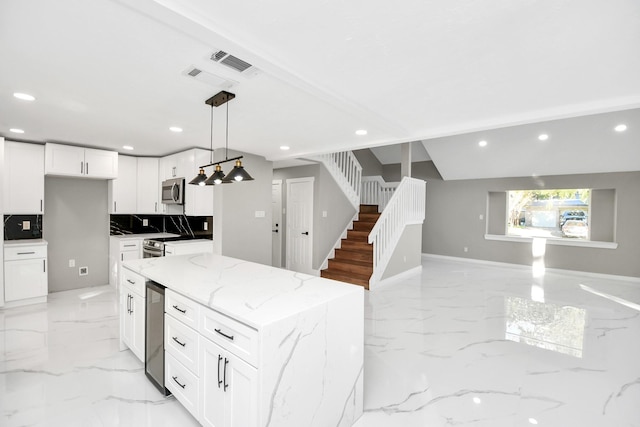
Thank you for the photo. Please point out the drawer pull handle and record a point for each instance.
(230, 337)
(129, 246)
(177, 382)
(181, 311)
(133, 282)
(26, 253)
(178, 341)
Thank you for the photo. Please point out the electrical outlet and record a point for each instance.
(145, 222)
(26, 225)
(466, 249)
(72, 263)
(260, 214)
(481, 217)
(324, 214)
(206, 226)
(83, 271)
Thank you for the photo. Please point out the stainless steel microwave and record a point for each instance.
(173, 191)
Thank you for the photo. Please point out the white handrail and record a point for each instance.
(347, 172)
(375, 191)
(406, 207)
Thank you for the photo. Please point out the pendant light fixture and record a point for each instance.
(218, 177)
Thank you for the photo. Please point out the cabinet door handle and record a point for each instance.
(177, 382)
(128, 305)
(181, 311)
(230, 337)
(44, 265)
(40, 205)
(219, 360)
(178, 341)
(81, 167)
(115, 209)
(155, 208)
(224, 375)
(87, 168)
(26, 253)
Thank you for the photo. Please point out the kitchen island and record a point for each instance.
(253, 345)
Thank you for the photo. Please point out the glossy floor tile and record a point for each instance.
(461, 344)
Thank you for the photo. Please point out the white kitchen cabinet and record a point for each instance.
(23, 187)
(186, 164)
(132, 312)
(122, 191)
(122, 249)
(67, 160)
(148, 186)
(228, 388)
(25, 272)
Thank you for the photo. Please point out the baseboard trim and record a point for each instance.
(528, 267)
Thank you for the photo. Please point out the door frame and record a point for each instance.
(310, 179)
(276, 258)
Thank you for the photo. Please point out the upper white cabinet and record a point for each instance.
(123, 190)
(23, 188)
(148, 186)
(66, 160)
(186, 164)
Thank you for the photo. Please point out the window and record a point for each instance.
(556, 213)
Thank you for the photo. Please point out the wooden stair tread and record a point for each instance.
(347, 278)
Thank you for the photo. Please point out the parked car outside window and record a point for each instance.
(575, 228)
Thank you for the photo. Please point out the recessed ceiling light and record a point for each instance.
(621, 128)
(477, 400)
(543, 137)
(482, 143)
(15, 130)
(361, 132)
(533, 421)
(284, 147)
(175, 129)
(24, 96)
(127, 147)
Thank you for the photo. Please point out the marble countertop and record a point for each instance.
(252, 293)
(25, 242)
(186, 242)
(143, 236)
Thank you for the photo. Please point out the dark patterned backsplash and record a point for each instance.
(15, 225)
(192, 226)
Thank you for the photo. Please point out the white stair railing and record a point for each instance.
(406, 207)
(347, 172)
(375, 191)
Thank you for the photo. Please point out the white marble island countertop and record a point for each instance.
(254, 293)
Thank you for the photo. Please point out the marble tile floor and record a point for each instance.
(461, 344)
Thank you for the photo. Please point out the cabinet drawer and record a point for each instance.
(182, 343)
(129, 245)
(182, 308)
(230, 334)
(182, 383)
(135, 281)
(13, 253)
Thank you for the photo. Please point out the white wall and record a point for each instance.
(2, 215)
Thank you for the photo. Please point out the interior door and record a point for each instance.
(300, 224)
(276, 223)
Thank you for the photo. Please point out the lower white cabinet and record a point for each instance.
(25, 273)
(228, 388)
(132, 312)
(120, 250)
(215, 385)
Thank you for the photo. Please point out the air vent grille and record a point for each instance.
(194, 72)
(231, 61)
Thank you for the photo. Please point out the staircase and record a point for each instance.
(353, 262)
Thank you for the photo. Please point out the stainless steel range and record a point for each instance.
(152, 248)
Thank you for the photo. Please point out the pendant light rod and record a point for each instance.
(221, 161)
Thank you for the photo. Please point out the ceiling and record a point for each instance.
(110, 73)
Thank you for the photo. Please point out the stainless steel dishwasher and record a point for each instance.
(154, 336)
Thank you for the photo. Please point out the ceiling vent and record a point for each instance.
(230, 61)
(208, 78)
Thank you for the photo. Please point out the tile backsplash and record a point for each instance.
(193, 226)
(22, 227)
